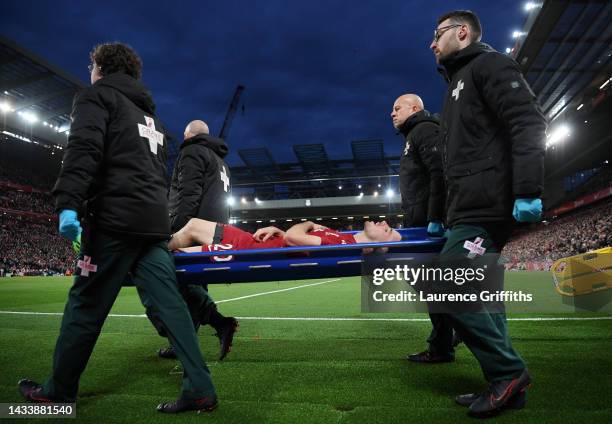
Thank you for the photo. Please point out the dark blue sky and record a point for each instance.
(315, 72)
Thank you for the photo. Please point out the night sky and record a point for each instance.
(315, 71)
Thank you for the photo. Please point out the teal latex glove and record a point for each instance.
(435, 228)
(527, 210)
(69, 225)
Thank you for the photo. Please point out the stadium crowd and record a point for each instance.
(32, 247)
(578, 232)
(30, 202)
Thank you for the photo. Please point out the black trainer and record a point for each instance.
(499, 393)
(428, 357)
(225, 332)
(205, 404)
(31, 390)
(515, 402)
(167, 353)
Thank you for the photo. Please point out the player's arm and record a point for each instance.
(191, 175)
(509, 95)
(298, 235)
(265, 233)
(84, 152)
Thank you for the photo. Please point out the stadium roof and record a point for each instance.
(564, 51)
(35, 96)
(314, 174)
(566, 48)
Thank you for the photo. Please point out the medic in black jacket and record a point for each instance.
(493, 136)
(493, 142)
(201, 179)
(421, 179)
(199, 188)
(115, 163)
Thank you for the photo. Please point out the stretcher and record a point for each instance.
(293, 263)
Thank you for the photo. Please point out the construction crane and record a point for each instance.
(231, 111)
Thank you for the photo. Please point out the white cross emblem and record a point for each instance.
(407, 147)
(148, 131)
(458, 89)
(86, 266)
(475, 248)
(225, 179)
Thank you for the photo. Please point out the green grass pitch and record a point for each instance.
(304, 371)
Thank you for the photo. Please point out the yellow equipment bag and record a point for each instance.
(585, 273)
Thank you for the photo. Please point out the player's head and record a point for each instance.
(404, 107)
(380, 232)
(455, 31)
(109, 58)
(194, 128)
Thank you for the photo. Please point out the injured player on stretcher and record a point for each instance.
(206, 236)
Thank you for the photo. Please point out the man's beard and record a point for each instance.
(451, 49)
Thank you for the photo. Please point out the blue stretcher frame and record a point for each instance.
(290, 263)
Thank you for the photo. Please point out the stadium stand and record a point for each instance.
(27, 163)
(29, 202)
(33, 247)
(577, 232)
(29, 241)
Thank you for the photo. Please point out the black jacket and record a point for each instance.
(200, 182)
(493, 136)
(421, 178)
(115, 161)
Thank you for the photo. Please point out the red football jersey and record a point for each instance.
(329, 237)
(237, 239)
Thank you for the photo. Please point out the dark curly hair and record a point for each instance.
(117, 57)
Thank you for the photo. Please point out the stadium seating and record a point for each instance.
(577, 232)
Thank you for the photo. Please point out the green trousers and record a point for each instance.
(199, 304)
(485, 334)
(104, 264)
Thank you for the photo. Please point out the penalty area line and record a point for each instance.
(605, 318)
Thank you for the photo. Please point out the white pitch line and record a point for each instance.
(416, 319)
(329, 318)
(277, 291)
(61, 313)
(218, 301)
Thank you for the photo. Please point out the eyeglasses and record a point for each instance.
(91, 67)
(438, 31)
